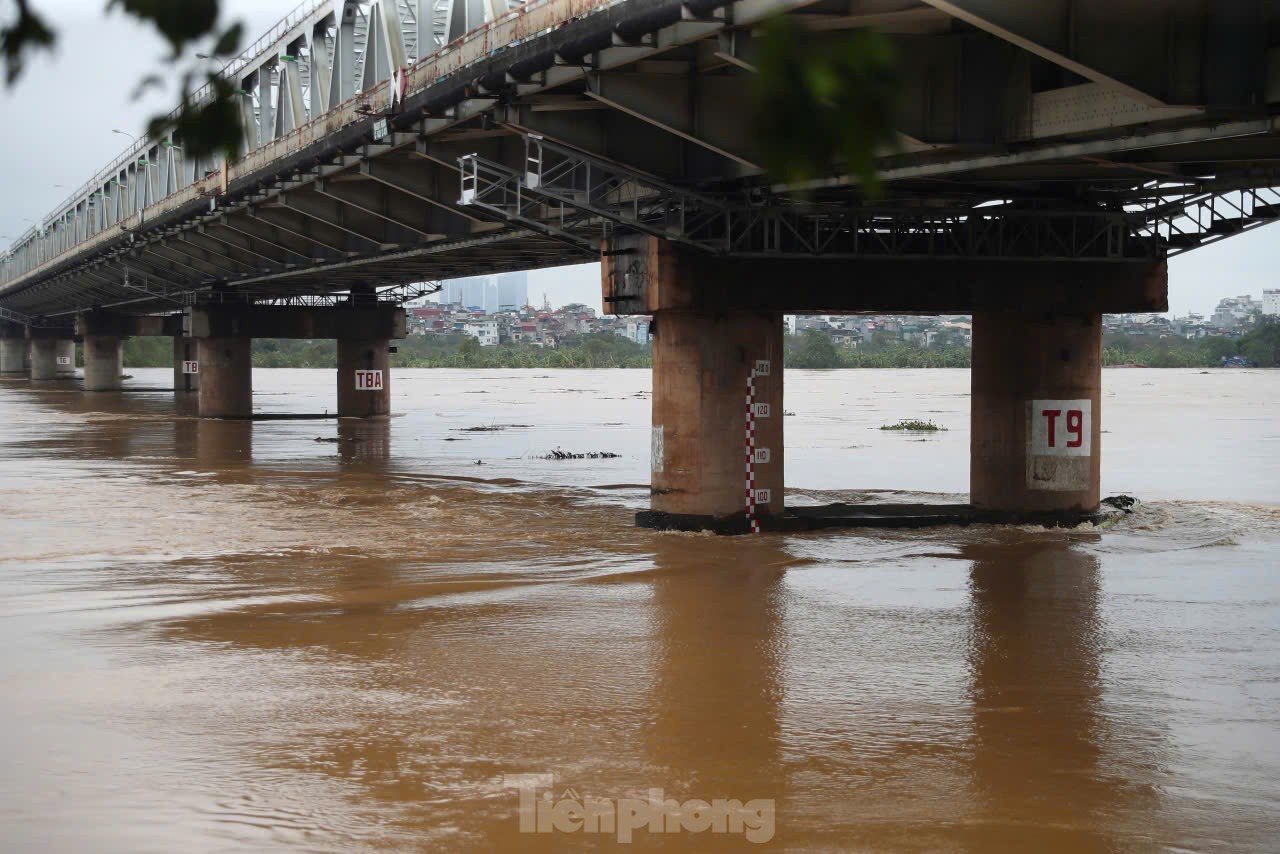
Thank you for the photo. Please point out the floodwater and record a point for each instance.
(223, 635)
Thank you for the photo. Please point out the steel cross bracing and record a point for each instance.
(1183, 217)
(27, 320)
(15, 316)
(580, 199)
(393, 295)
(503, 193)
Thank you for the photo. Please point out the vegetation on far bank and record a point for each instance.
(600, 350)
(1260, 346)
(811, 349)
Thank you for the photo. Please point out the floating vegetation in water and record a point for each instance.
(914, 425)
(1120, 502)
(558, 454)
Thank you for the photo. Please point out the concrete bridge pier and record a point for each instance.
(44, 359)
(103, 362)
(1036, 412)
(65, 359)
(1036, 379)
(717, 446)
(13, 350)
(185, 357)
(717, 440)
(52, 354)
(13, 356)
(364, 377)
(226, 366)
(363, 331)
(103, 334)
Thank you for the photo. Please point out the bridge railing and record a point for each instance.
(137, 149)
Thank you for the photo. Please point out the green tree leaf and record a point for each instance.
(27, 33)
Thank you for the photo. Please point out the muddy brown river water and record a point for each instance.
(224, 635)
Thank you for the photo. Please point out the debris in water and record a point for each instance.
(493, 428)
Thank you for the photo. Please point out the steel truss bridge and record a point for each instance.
(398, 142)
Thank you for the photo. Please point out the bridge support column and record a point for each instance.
(102, 359)
(364, 377)
(13, 356)
(1037, 381)
(707, 369)
(226, 381)
(65, 359)
(184, 352)
(44, 357)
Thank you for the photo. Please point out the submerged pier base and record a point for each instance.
(826, 516)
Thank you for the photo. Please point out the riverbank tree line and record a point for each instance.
(600, 350)
(1260, 346)
(811, 349)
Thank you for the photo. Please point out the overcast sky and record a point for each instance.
(57, 124)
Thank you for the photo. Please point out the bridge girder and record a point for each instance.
(1173, 52)
(245, 228)
(1005, 102)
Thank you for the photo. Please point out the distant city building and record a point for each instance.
(634, 329)
(490, 294)
(1233, 312)
(513, 291)
(484, 331)
(1271, 302)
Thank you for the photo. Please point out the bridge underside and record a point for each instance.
(1034, 134)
